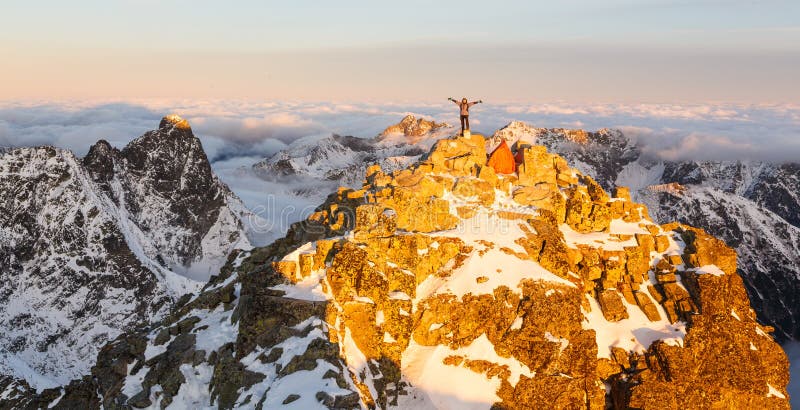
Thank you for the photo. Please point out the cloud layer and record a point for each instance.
(238, 133)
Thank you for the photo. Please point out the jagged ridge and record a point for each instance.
(580, 301)
(89, 246)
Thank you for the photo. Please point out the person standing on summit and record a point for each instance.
(464, 106)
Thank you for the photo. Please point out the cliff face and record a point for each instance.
(165, 184)
(445, 285)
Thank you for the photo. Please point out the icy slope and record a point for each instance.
(90, 247)
(447, 286)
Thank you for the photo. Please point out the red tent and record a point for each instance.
(502, 160)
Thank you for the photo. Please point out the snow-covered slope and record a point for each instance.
(341, 159)
(445, 286)
(90, 247)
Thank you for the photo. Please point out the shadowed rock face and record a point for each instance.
(164, 180)
(564, 297)
(100, 164)
(169, 164)
(87, 245)
(64, 251)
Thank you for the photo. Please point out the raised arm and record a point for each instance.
(454, 101)
(476, 102)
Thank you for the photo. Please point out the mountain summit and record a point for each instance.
(175, 121)
(412, 128)
(447, 285)
(96, 246)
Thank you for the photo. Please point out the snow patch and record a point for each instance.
(773, 392)
(710, 269)
(464, 389)
(636, 333)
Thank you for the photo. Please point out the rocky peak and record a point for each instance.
(100, 162)
(169, 182)
(119, 230)
(413, 127)
(517, 130)
(173, 137)
(643, 305)
(174, 121)
(536, 289)
(101, 148)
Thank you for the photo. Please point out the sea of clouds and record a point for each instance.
(243, 129)
(237, 134)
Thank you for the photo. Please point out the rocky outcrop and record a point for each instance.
(602, 154)
(562, 296)
(413, 128)
(757, 197)
(89, 247)
(751, 205)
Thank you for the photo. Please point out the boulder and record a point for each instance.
(470, 188)
(703, 249)
(584, 215)
(648, 307)
(459, 155)
(415, 214)
(535, 166)
(596, 192)
(374, 221)
(611, 305)
(661, 243)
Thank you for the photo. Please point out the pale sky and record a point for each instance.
(573, 50)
